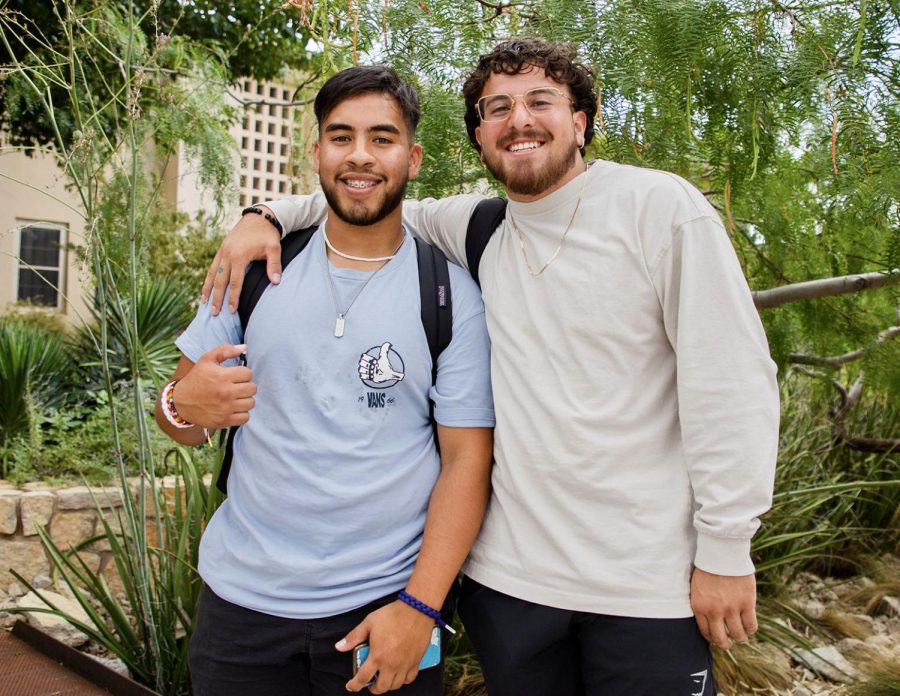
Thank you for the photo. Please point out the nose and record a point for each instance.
(360, 155)
(520, 117)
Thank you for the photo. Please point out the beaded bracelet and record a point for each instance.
(267, 216)
(407, 598)
(167, 405)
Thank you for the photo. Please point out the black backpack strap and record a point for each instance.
(255, 283)
(437, 309)
(437, 304)
(486, 218)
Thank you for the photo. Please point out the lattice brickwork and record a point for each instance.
(266, 136)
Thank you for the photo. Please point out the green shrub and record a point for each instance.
(162, 310)
(77, 443)
(34, 365)
(147, 625)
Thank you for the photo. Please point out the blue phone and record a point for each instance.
(431, 658)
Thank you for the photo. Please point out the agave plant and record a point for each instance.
(144, 327)
(34, 364)
(146, 620)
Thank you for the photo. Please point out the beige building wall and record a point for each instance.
(33, 191)
(273, 158)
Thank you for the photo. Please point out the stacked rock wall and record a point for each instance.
(70, 516)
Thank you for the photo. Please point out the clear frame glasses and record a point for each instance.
(539, 101)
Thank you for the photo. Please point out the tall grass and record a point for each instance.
(145, 615)
(833, 508)
(97, 87)
(832, 505)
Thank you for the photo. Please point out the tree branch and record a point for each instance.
(848, 398)
(826, 287)
(838, 360)
(499, 8)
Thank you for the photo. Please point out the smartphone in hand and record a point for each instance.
(431, 658)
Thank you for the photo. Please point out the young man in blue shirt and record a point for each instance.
(338, 498)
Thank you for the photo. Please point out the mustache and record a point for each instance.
(357, 170)
(530, 133)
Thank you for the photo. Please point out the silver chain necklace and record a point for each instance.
(562, 241)
(339, 320)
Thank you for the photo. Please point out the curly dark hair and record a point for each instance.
(560, 63)
(368, 79)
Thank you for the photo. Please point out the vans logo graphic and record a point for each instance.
(381, 367)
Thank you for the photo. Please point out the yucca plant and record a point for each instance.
(93, 85)
(150, 637)
(35, 364)
(147, 325)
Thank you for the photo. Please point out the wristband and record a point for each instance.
(167, 405)
(407, 598)
(267, 216)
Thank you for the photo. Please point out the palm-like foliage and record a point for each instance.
(148, 636)
(35, 365)
(144, 328)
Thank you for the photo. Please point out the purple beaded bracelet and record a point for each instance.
(407, 598)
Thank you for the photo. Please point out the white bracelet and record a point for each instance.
(167, 405)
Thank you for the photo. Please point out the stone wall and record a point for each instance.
(70, 515)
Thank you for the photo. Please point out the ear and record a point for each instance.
(478, 137)
(316, 157)
(580, 121)
(415, 160)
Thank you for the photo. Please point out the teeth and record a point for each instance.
(518, 147)
(353, 183)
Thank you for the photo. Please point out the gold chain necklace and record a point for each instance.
(562, 241)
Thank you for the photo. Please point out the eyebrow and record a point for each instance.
(379, 128)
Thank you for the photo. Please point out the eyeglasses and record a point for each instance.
(539, 101)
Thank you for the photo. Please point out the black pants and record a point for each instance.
(240, 652)
(529, 649)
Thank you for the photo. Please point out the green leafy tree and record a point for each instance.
(111, 93)
(253, 38)
(784, 115)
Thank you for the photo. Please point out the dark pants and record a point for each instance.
(240, 652)
(534, 650)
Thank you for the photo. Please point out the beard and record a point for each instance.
(524, 178)
(356, 212)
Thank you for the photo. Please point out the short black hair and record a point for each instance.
(558, 60)
(368, 79)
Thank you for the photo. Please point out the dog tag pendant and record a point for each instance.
(339, 326)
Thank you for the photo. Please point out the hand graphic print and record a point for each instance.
(378, 370)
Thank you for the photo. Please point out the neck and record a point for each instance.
(375, 241)
(578, 166)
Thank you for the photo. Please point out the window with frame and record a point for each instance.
(42, 261)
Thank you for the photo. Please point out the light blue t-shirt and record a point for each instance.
(332, 475)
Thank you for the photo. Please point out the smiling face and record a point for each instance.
(364, 158)
(531, 155)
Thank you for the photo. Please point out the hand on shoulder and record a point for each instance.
(252, 238)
